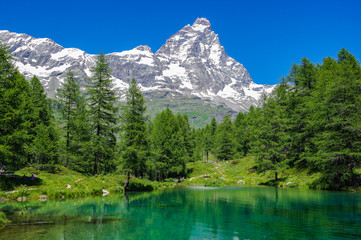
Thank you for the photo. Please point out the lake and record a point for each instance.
(191, 213)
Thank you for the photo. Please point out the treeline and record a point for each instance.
(89, 130)
(312, 120)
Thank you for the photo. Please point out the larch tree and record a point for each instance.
(14, 113)
(73, 112)
(134, 132)
(103, 115)
(43, 132)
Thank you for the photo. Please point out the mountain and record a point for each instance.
(191, 68)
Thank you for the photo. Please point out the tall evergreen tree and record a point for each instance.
(336, 120)
(239, 135)
(43, 132)
(14, 113)
(224, 136)
(134, 132)
(103, 112)
(168, 146)
(73, 111)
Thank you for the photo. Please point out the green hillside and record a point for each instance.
(200, 112)
(244, 172)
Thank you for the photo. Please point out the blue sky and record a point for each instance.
(265, 36)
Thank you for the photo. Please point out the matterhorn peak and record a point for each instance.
(201, 24)
(192, 62)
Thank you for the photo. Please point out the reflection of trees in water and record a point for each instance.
(202, 213)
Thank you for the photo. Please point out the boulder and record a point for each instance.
(241, 182)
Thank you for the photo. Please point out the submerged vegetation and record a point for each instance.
(305, 134)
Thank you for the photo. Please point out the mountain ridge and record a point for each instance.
(192, 63)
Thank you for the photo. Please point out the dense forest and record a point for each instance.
(312, 120)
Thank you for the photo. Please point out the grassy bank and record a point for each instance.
(60, 182)
(243, 171)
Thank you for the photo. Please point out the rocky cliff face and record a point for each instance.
(192, 62)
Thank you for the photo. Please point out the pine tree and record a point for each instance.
(336, 120)
(14, 113)
(73, 111)
(44, 137)
(168, 146)
(224, 142)
(239, 135)
(212, 134)
(134, 132)
(103, 112)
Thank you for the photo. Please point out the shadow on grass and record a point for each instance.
(273, 182)
(8, 183)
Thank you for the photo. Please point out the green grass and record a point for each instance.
(200, 112)
(231, 172)
(61, 182)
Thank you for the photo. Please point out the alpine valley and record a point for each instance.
(191, 73)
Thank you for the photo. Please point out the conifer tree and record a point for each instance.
(168, 146)
(43, 132)
(14, 113)
(103, 112)
(74, 115)
(134, 132)
(224, 136)
(239, 135)
(336, 119)
(212, 134)
(207, 141)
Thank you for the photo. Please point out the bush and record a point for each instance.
(214, 182)
(235, 162)
(48, 168)
(3, 219)
(139, 186)
(10, 183)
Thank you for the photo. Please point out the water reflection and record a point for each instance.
(191, 213)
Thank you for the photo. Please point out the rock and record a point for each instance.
(291, 185)
(241, 182)
(105, 192)
(43, 197)
(68, 186)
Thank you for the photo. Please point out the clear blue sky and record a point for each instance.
(265, 36)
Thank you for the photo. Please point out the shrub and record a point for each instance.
(214, 182)
(3, 219)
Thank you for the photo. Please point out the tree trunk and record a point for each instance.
(96, 158)
(67, 147)
(127, 181)
(276, 176)
(126, 200)
(96, 162)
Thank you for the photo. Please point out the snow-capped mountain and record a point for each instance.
(191, 62)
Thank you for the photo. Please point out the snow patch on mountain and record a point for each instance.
(192, 62)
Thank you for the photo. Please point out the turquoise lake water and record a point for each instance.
(191, 213)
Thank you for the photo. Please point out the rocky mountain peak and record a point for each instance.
(144, 48)
(201, 24)
(191, 63)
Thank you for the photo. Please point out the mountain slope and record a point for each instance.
(192, 63)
